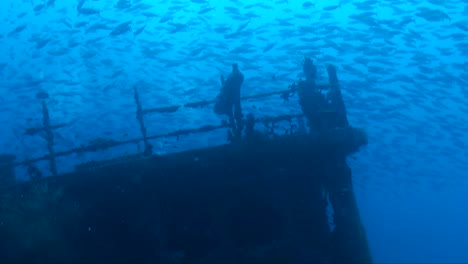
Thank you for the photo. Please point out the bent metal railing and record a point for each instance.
(52, 155)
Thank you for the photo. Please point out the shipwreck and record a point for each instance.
(263, 197)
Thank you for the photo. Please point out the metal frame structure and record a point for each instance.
(52, 155)
(262, 198)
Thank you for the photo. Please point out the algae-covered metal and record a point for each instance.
(260, 199)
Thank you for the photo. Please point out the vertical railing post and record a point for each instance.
(139, 115)
(49, 138)
(337, 98)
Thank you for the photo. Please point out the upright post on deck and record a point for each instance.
(49, 138)
(336, 97)
(148, 147)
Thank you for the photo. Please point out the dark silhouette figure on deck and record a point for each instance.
(322, 104)
(228, 101)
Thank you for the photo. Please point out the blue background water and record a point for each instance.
(402, 65)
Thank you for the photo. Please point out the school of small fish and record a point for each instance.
(402, 65)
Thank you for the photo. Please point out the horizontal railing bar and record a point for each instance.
(33, 130)
(166, 109)
(113, 143)
(175, 108)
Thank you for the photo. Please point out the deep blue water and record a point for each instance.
(402, 65)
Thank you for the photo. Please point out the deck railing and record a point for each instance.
(49, 127)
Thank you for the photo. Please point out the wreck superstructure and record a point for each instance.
(262, 198)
